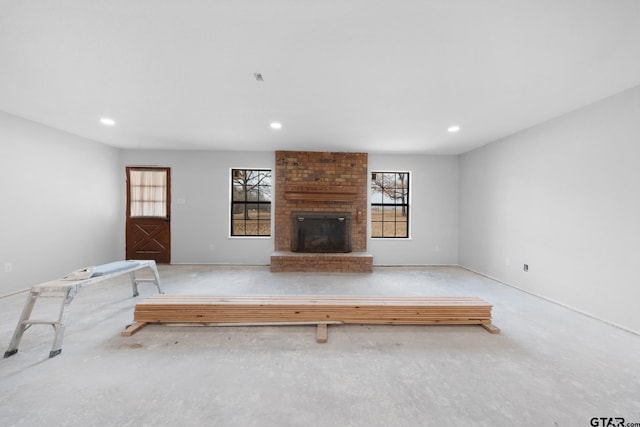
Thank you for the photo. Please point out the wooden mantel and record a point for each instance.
(320, 193)
(321, 196)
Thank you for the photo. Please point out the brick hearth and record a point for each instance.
(309, 181)
(353, 262)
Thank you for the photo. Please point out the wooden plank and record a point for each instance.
(322, 333)
(491, 328)
(314, 300)
(213, 318)
(320, 310)
(252, 324)
(313, 308)
(304, 316)
(133, 328)
(290, 299)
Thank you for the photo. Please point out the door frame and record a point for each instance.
(129, 219)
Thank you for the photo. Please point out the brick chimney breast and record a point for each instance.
(321, 182)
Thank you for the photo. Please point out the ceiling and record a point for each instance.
(340, 75)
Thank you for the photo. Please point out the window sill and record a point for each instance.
(383, 239)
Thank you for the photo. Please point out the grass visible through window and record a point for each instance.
(251, 202)
(390, 204)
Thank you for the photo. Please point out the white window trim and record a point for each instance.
(410, 203)
(230, 201)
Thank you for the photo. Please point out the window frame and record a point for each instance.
(248, 202)
(129, 170)
(407, 204)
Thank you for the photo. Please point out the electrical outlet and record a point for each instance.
(8, 267)
(526, 267)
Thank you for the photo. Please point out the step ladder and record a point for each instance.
(66, 290)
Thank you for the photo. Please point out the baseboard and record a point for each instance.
(577, 310)
(415, 265)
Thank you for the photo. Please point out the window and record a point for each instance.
(390, 204)
(250, 202)
(148, 192)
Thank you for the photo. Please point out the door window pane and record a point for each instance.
(148, 193)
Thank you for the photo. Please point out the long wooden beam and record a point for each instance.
(315, 309)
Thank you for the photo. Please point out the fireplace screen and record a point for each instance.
(320, 232)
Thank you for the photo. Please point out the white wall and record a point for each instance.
(433, 211)
(563, 197)
(59, 209)
(200, 226)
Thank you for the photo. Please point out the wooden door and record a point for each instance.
(148, 223)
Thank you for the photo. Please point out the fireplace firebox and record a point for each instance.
(321, 232)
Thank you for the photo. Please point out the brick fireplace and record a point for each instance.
(320, 186)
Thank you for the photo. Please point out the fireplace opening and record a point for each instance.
(320, 232)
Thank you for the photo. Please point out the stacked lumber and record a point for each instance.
(300, 309)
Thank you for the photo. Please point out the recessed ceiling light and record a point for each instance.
(453, 129)
(275, 125)
(107, 121)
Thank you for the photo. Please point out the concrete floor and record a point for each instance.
(550, 366)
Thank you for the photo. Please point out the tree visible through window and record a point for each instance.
(250, 202)
(389, 204)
